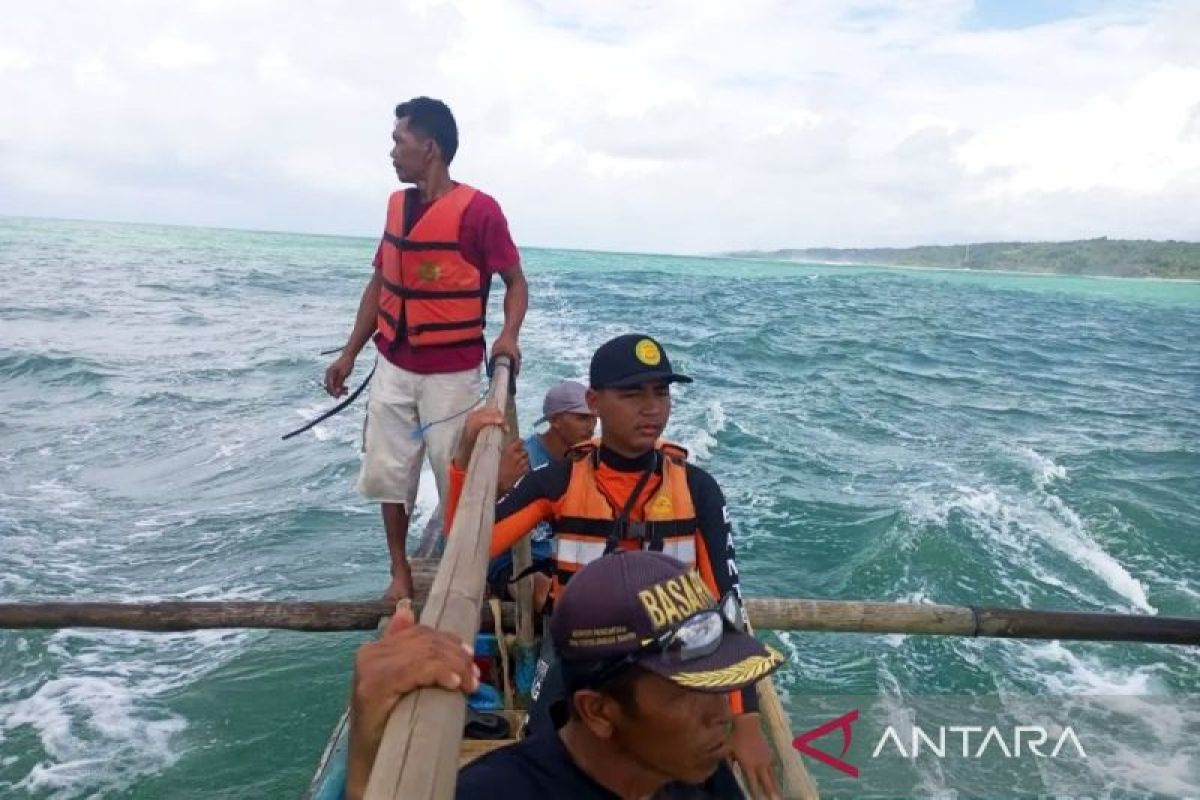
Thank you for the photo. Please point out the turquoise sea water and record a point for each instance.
(880, 434)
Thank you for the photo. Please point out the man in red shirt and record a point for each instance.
(425, 306)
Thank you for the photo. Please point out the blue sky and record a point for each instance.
(1013, 14)
(668, 126)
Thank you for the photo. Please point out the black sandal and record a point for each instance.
(486, 725)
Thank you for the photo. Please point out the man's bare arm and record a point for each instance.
(364, 328)
(516, 303)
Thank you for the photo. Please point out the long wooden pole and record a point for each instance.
(195, 615)
(522, 560)
(940, 620)
(419, 753)
(525, 653)
(797, 784)
(766, 614)
(312, 617)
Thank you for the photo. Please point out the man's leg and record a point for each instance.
(392, 463)
(395, 525)
(442, 397)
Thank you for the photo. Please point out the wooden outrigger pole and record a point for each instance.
(776, 614)
(419, 753)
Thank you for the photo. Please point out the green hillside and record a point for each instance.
(1117, 257)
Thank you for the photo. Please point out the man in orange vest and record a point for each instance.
(629, 491)
(425, 306)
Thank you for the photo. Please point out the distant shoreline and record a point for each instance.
(1114, 258)
(969, 270)
(1169, 261)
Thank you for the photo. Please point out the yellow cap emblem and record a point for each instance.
(647, 352)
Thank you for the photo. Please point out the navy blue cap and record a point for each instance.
(631, 360)
(621, 601)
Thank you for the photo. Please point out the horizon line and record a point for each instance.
(729, 254)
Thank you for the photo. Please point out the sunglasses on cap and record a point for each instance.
(692, 638)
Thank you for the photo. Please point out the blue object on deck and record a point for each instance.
(486, 698)
(485, 645)
(526, 669)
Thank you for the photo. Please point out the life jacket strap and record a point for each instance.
(445, 326)
(626, 529)
(404, 244)
(542, 566)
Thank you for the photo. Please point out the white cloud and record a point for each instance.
(679, 126)
(94, 75)
(171, 51)
(13, 60)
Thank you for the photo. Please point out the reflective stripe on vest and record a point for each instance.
(682, 549)
(429, 294)
(576, 552)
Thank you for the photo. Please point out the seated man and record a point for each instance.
(629, 491)
(649, 657)
(566, 410)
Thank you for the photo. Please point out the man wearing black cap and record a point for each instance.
(632, 492)
(648, 654)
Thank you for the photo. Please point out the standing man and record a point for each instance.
(425, 306)
(571, 422)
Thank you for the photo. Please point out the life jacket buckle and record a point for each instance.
(634, 530)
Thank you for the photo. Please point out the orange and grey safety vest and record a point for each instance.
(590, 523)
(430, 295)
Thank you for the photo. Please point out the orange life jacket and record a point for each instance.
(588, 523)
(430, 295)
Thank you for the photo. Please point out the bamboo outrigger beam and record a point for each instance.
(941, 620)
(840, 616)
(196, 615)
(419, 753)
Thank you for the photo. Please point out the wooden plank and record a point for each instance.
(474, 748)
(419, 753)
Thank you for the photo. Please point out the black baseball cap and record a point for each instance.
(631, 360)
(616, 605)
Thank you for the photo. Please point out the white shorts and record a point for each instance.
(399, 403)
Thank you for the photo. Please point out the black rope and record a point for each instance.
(538, 566)
(490, 369)
(975, 619)
(339, 407)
